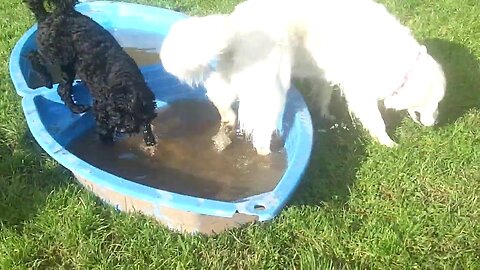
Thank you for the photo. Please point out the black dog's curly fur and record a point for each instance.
(122, 101)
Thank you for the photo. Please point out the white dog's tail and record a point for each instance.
(193, 44)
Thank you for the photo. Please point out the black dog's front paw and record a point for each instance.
(78, 109)
(106, 139)
(148, 136)
(64, 90)
(49, 83)
(150, 142)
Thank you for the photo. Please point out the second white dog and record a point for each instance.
(262, 44)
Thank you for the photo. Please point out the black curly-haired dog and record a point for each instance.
(122, 101)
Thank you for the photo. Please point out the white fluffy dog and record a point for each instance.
(355, 44)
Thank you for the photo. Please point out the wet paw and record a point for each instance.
(78, 109)
(221, 141)
(277, 143)
(263, 151)
(49, 84)
(149, 150)
(148, 136)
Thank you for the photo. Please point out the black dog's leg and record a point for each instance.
(65, 89)
(148, 136)
(105, 130)
(105, 133)
(39, 66)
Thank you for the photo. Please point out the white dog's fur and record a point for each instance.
(355, 44)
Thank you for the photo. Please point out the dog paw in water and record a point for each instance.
(148, 136)
(149, 139)
(149, 150)
(79, 109)
(277, 143)
(221, 141)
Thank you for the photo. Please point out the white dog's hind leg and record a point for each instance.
(371, 119)
(222, 96)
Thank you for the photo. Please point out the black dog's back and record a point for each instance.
(122, 101)
(123, 88)
(97, 51)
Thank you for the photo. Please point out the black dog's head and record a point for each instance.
(131, 108)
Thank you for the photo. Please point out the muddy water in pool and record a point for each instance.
(143, 57)
(184, 159)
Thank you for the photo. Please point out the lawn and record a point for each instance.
(360, 205)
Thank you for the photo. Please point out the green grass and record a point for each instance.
(359, 206)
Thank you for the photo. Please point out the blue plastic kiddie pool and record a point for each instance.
(54, 127)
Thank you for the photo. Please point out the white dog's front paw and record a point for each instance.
(261, 142)
(385, 140)
(221, 140)
(427, 120)
(263, 151)
(228, 118)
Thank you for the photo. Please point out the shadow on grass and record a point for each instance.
(26, 180)
(338, 152)
(462, 70)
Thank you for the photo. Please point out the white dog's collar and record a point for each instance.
(422, 50)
